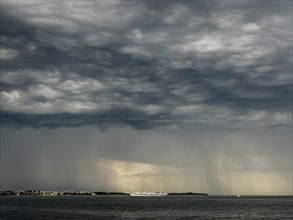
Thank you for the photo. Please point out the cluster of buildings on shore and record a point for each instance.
(43, 193)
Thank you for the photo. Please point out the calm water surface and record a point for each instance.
(126, 207)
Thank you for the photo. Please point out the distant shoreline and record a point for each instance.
(188, 194)
(81, 193)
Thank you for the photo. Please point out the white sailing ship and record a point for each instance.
(143, 188)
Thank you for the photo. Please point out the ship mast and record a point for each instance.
(134, 185)
(148, 187)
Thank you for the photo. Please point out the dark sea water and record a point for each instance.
(126, 207)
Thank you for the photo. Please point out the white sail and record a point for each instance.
(143, 188)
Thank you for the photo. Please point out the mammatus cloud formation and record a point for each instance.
(146, 66)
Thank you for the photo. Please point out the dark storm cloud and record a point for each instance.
(146, 63)
(114, 117)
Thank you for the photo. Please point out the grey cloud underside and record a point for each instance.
(104, 119)
(146, 64)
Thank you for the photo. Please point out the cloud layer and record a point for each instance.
(146, 64)
(196, 92)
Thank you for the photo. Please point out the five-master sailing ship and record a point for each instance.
(143, 188)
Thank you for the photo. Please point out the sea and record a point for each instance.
(127, 207)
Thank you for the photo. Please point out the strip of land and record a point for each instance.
(80, 193)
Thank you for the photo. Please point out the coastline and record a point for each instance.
(82, 193)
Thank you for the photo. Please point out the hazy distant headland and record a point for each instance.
(81, 193)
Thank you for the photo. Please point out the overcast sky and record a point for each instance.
(96, 94)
